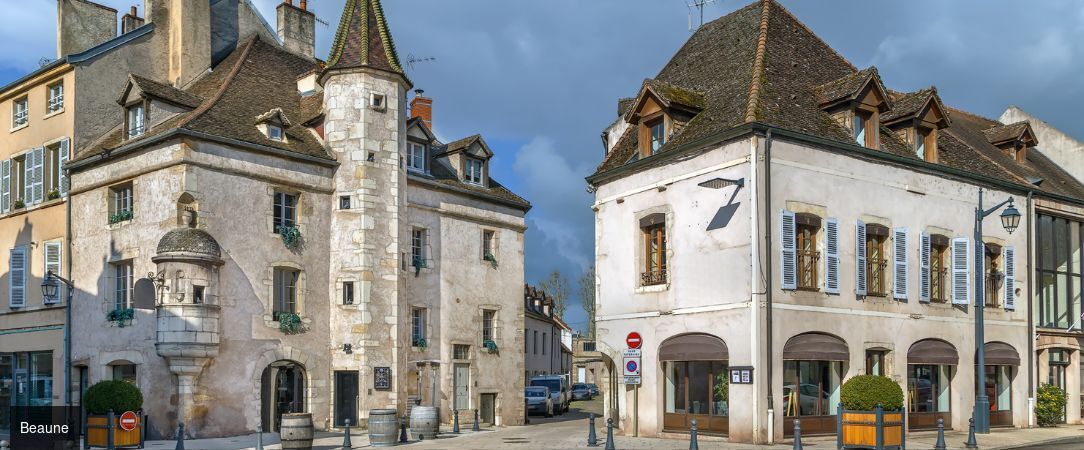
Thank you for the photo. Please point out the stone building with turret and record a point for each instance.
(277, 234)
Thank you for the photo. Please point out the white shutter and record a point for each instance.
(35, 178)
(860, 258)
(787, 244)
(17, 277)
(52, 264)
(961, 271)
(65, 153)
(924, 273)
(899, 264)
(5, 185)
(831, 256)
(1009, 287)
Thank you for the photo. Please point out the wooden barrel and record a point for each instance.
(423, 422)
(295, 431)
(383, 427)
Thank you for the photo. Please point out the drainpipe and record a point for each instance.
(71, 295)
(1031, 317)
(768, 282)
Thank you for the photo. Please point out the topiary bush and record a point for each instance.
(116, 395)
(1049, 405)
(865, 392)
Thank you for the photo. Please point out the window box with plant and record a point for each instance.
(489, 346)
(120, 216)
(420, 343)
(492, 260)
(18, 204)
(291, 236)
(53, 194)
(121, 317)
(289, 323)
(870, 413)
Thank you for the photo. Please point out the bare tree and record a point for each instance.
(587, 298)
(556, 286)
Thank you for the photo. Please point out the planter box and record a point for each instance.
(876, 429)
(98, 429)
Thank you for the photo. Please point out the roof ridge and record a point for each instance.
(969, 113)
(758, 64)
(207, 104)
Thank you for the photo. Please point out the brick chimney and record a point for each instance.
(82, 24)
(130, 21)
(421, 106)
(297, 28)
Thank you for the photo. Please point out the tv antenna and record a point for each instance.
(411, 60)
(699, 5)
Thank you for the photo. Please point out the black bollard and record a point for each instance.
(259, 437)
(180, 436)
(940, 444)
(592, 440)
(797, 435)
(692, 437)
(971, 434)
(402, 431)
(455, 422)
(346, 436)
(526, 411)
(610, 434)
(475, 426)
(109, 431)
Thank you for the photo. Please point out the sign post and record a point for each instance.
(632, 374)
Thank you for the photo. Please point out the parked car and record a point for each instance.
(580, 391)
(594, 389)
(559, 390)
(539, 400)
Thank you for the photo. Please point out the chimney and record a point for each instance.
(297, 28)
(82, 24)
(421, 106)
(130, 21)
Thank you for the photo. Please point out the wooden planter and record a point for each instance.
(877, 429)
(101, 428)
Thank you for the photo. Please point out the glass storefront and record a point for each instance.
(928, 394)
(810, 388)
(696, 384)
(26, 379)
(999, 391)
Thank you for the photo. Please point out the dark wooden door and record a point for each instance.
(488, 409)
(346, 398)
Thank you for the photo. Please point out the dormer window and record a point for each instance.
(923, 148)
(861, 122)
(416, 156)
(866, 128)
(274, 132)
(658, 134)
(659, 112)
(137, 120)
(857, 103)
(1015, 139)
(473, 171)
(273, 124)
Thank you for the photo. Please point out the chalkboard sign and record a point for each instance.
(382, 378)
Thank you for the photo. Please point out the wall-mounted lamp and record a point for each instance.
(348, 349)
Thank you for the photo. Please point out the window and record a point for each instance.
(20, 112)
(285, 291)
(545, 342)
(928, 388)
(1058, 270)
(274, 132)
(588, 346)
(535, 342)
(417, 248)
(658, 134)
(124, 372)
(807, 255)
(120, 203)
(489, 324)
(994, 275)
(122, 285)
(460, 351)
(18, 181)
(53, 166)
(137, 120)
(875, 362)
(693, 387)
(939, 269)
(52, 253)
(285, 211)
(810, 388)
(999, 388)
(376, 101)
(876, 260)
(415, 157)
(653, 228)
(861, 122)
(56, 98)
(197, 294)
(344, 202)
(417, 327)
(17, 268)
(473, 172)
(489, 245)
(923, 146)
(348, 292)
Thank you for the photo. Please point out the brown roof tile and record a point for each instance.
(165, 92)
(363, 39)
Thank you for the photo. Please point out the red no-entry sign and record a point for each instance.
(129, 421)
(633, 340)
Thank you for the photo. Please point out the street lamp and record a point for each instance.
(49, 288)
(1010, 220)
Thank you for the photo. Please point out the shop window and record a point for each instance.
(999, 388)
(1058, 271)
(810, 388)
(928, 388)
(285, 291)
(696, 387)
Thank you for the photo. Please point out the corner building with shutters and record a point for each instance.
(762, 203)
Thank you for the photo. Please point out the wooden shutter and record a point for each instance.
(35, 168)
(17, 277)
(860, 258)
(831, 256)
(52, 263)
(961, 271)
(899, 264)
(788, 259)
(924, 271)
(65, 153)
(5, 185)
(1009, 287)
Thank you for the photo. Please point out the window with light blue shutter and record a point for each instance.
(1009, 288)
(788, 250)
(924, 269)
(65, 153)
(831, 256)
(899, 264)
(860, 287)
(52, 264)
(961, 271)
(5, 185)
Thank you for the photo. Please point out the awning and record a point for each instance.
(816, 347)
(693, 347)
(1001, 354)
(932, 351)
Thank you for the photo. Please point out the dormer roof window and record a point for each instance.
(274, 132)
(472, 172)
(857, 102)
(469, 157)
(660, 111)
(136, 123)
(273, 124)
(1015, 139)
(916, 118)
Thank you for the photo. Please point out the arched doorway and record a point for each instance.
(696, 385)
(930, 366)
(812, 371)
(282, 391)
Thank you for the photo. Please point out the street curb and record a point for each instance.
(1061, 440)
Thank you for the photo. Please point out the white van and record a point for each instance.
(559, 390)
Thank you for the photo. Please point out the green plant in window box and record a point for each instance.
(489, 345)
(492, 259)
(420, 343)
(872, 406)
(291, 236)
(418, 265)
(121, 317)
(53, 194)
(1049, 405)
(120, 216)
(19, 204)
(289, 323)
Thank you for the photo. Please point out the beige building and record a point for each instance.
(773, 221)
(590, 366)
(260, 233)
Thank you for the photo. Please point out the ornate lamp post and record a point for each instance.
(1010, 220)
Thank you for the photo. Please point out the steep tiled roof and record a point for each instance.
(363, 39)
(760, 64)
(461, 144)
(442, 175)
(165, 92)
(671, 94)
(1002, 133)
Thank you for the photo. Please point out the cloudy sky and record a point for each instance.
(540, 79)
